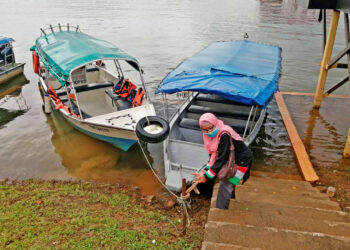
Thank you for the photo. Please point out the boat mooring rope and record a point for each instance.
(183, 203)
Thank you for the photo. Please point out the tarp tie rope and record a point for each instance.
(182, 203)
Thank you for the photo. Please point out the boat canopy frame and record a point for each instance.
(6, 45)
(69, 82)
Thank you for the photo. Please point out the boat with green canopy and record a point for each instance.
(97, 87)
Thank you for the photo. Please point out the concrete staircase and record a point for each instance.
(277, 214)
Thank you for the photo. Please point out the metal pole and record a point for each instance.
(324, 28)
(76, 98)
(347, 39)
(167, 108)
(120, 68)
(116, 66)
(143, 83)
(184, 219)
(246, 126)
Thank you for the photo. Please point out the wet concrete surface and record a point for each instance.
(324, 133)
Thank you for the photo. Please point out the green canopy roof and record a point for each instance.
(61, 52)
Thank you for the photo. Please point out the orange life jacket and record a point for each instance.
(59, 104)
(52, 93)
(125, 88)
(138, 98)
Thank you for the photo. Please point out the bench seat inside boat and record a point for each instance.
(87, 87)
(236, 124)
(218, 111)
(118, 101)
(217, 98)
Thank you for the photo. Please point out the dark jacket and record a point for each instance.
(243, 155)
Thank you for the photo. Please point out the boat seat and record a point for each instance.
(117, 101)
(218, 111)
(216, 99)
(87, 87)
(238, 126)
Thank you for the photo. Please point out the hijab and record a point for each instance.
(211, 143)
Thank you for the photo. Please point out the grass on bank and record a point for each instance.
(37, 214)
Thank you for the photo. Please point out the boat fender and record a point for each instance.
(47, 104)
(152, 129)
(36, 63)
(138, 98)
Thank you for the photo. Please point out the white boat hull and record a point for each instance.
(7, 73)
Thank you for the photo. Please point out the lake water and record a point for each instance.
(160, 34)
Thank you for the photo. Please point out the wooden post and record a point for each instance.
(184, 218)
(326, 58)
(346, 152)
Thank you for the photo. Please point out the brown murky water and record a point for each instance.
(161, 35)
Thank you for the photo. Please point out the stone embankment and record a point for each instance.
(277, 214)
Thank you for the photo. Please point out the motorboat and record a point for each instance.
(8, 66)
(234, 80)
(97, 87)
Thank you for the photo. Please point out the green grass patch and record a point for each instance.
(37, 214)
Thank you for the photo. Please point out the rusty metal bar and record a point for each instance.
(339, 55)
(335, 87)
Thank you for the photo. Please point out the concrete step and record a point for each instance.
(221, 246)
(278, 182)
(271, 217)
(271, 238)
(277, 186)
(297, 199)
(286, 190)
(292, 200)
(292, 211)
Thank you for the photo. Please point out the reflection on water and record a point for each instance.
(90, 159)
(12, 102)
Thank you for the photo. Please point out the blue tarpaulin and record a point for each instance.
(242, 71)
(4, 40)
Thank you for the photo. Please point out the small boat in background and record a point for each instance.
(8, 66)
(233, 80)
(98, 88)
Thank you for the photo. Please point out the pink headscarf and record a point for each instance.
(211, 144)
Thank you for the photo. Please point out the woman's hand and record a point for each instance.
(200, 178)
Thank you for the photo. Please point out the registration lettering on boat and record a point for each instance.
(99, 128)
